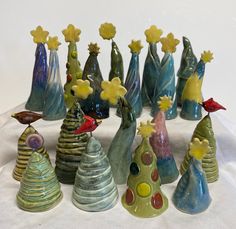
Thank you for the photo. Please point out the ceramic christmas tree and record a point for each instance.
(24, 151)
(166, 85)
(132, 82)
(159, 141)
(35, 101)
(144, 198)
(74, 72)
(192, 94)
(191, 194)
(54, 104)
(204, 131)
(39, 188)
(152, 67)
(187, 67)
(94, 188)
(107, 31)
(119, 152)
(94, 106)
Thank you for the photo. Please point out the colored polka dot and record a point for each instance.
(157, 201)
(134, 169)
(155, 175)
(129, 196)
(147, 158)
(143, 189)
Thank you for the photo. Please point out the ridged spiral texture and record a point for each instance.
(70, 146)
(209, 162)
(94, 188)
(24, 153)
(39, 189)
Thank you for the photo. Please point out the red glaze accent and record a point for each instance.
(211, 106)
(89, 125)
(69, 78)
(147, 158)
(155, 175)
(129, 196)
(157, 201)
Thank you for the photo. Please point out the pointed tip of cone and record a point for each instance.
(186, 42)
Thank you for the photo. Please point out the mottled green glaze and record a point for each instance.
(117, 69)
(119, 152)
(142, 205)
(94, 188)
(209, 163)
(25, 152)
(73, 72)
(39, 187)
(70, 146)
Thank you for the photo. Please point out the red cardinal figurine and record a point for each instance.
(211, 106)
(89, 125)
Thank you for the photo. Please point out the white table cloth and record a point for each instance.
(220, 214)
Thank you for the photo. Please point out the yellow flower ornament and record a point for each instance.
(82, 89)
(153, 34)
(53, 43)
(169, 43)
(135, 46)
(39, 35)
(71, 33)
(112, 90)
(107, 31)
(165, 103)
(207, 56)
(146, 129)
(199, 148)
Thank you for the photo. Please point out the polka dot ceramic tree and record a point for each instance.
(143, 197)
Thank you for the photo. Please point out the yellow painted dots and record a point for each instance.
(144, 189)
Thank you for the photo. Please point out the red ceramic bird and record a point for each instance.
(211, 106)
(26, 117)
(89, 125)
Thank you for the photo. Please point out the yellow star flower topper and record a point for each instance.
(71, 33)
(93, 48)
(135, 46)
(146, 130)
(169, 43)
(165, 103)
(153, 34)
(207, 56)
(39, 35)
(112, 90)
(198, 148)
(107, 31)
(53, 43)
(82, 89)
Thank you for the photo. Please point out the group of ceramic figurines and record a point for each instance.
(81, 160)
(48, 96)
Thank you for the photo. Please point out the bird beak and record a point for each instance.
(98, 121)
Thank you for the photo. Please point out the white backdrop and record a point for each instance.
(210, 25)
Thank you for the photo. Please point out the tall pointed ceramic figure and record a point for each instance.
(54, 103)
(119, 152)
(192, 92)
(24, 151)
(39, 187)
(72, 145)
(94, 188)
(143, 197)
(35, 101)
(191, 195)
(161, 146)
(202, 131)
(73, 70)
(132, 81)
(94, 106)
(107, 31)
(166, 84)
(187, 67)
(152, 66)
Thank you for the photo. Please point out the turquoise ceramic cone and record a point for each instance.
(39, 188)
(166, 86)
(54, 104)
(94, 188)
(151, 75)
